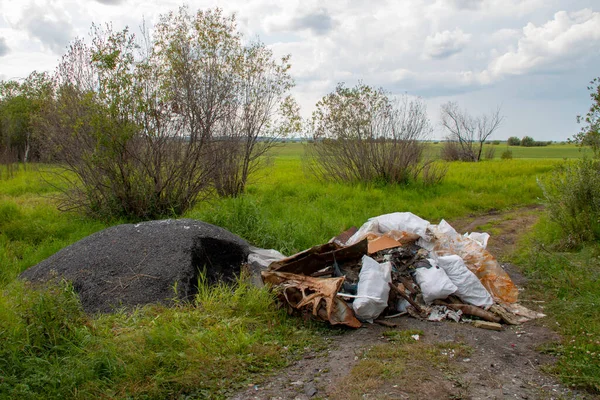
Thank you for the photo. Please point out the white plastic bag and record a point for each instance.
(403, 222)
(434, 283)
(470, 290)
(398, 221)
(262, 258)
(373, 289)
(481, 238)
(492, 276)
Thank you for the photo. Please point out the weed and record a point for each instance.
(568, 282)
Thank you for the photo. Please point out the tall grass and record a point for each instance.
(209, 349)
(288, 211)
(568, 283)
(31, 227)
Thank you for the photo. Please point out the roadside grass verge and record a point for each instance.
(569, 283)
(209, 349)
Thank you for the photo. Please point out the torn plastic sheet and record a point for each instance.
(483, 264)
(316, 295)
(407, 225)
(439, 313)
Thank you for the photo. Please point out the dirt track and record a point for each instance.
(499, 365)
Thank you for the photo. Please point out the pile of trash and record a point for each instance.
(396, 264)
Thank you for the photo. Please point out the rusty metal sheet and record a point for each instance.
(316, 295)
(319, 257)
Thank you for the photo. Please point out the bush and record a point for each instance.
(453, 151)
(513, 141)
(572, 193)
(144, 132)
(361, 135)
(527, 141)
(507, 155)
(490, 153)
(495, 142)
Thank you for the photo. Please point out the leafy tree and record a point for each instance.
(20, 103)
(590, 133)
(235, 95)
(527, 141)
(513, 141)
(149, 126)
(467, 134)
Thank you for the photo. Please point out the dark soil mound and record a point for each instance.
(134, 264)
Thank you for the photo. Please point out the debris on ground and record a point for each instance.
(397, 264)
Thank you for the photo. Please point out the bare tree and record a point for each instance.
(233, 96)
(361, 134)
(467, 134)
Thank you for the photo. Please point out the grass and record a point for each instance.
(50, 349)
(554, 151)
(401, 367)
(209, 349)
(569, 283)
(289, 211)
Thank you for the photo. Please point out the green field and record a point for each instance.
(153, 353)
(554, 151)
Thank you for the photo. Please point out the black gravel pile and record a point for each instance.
(135, 264)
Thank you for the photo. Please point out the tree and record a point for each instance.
(20, 103)
(589, 135)
(528, 141)
(467, 134)
(361, 134)
(234, 95)
(149, 126)
(513, 141)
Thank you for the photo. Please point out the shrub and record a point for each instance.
(490, 153)
(144, 132)
(572, 193)
(453, 151)
(495, 142)
(513, 141)
(507, 155)
(527, 141)
(361, 135)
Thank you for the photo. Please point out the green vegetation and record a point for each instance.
(50, 349)
(402, 363)
(568, 283)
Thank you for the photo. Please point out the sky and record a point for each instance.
(532, 58)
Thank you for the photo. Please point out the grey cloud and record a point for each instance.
(468, 4)
(54, 34)
(111, 2)
(4, 49)
(319, 22)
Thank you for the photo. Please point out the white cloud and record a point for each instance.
(110, 2)
(445, 44)
(555, 45)
(435, 48)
